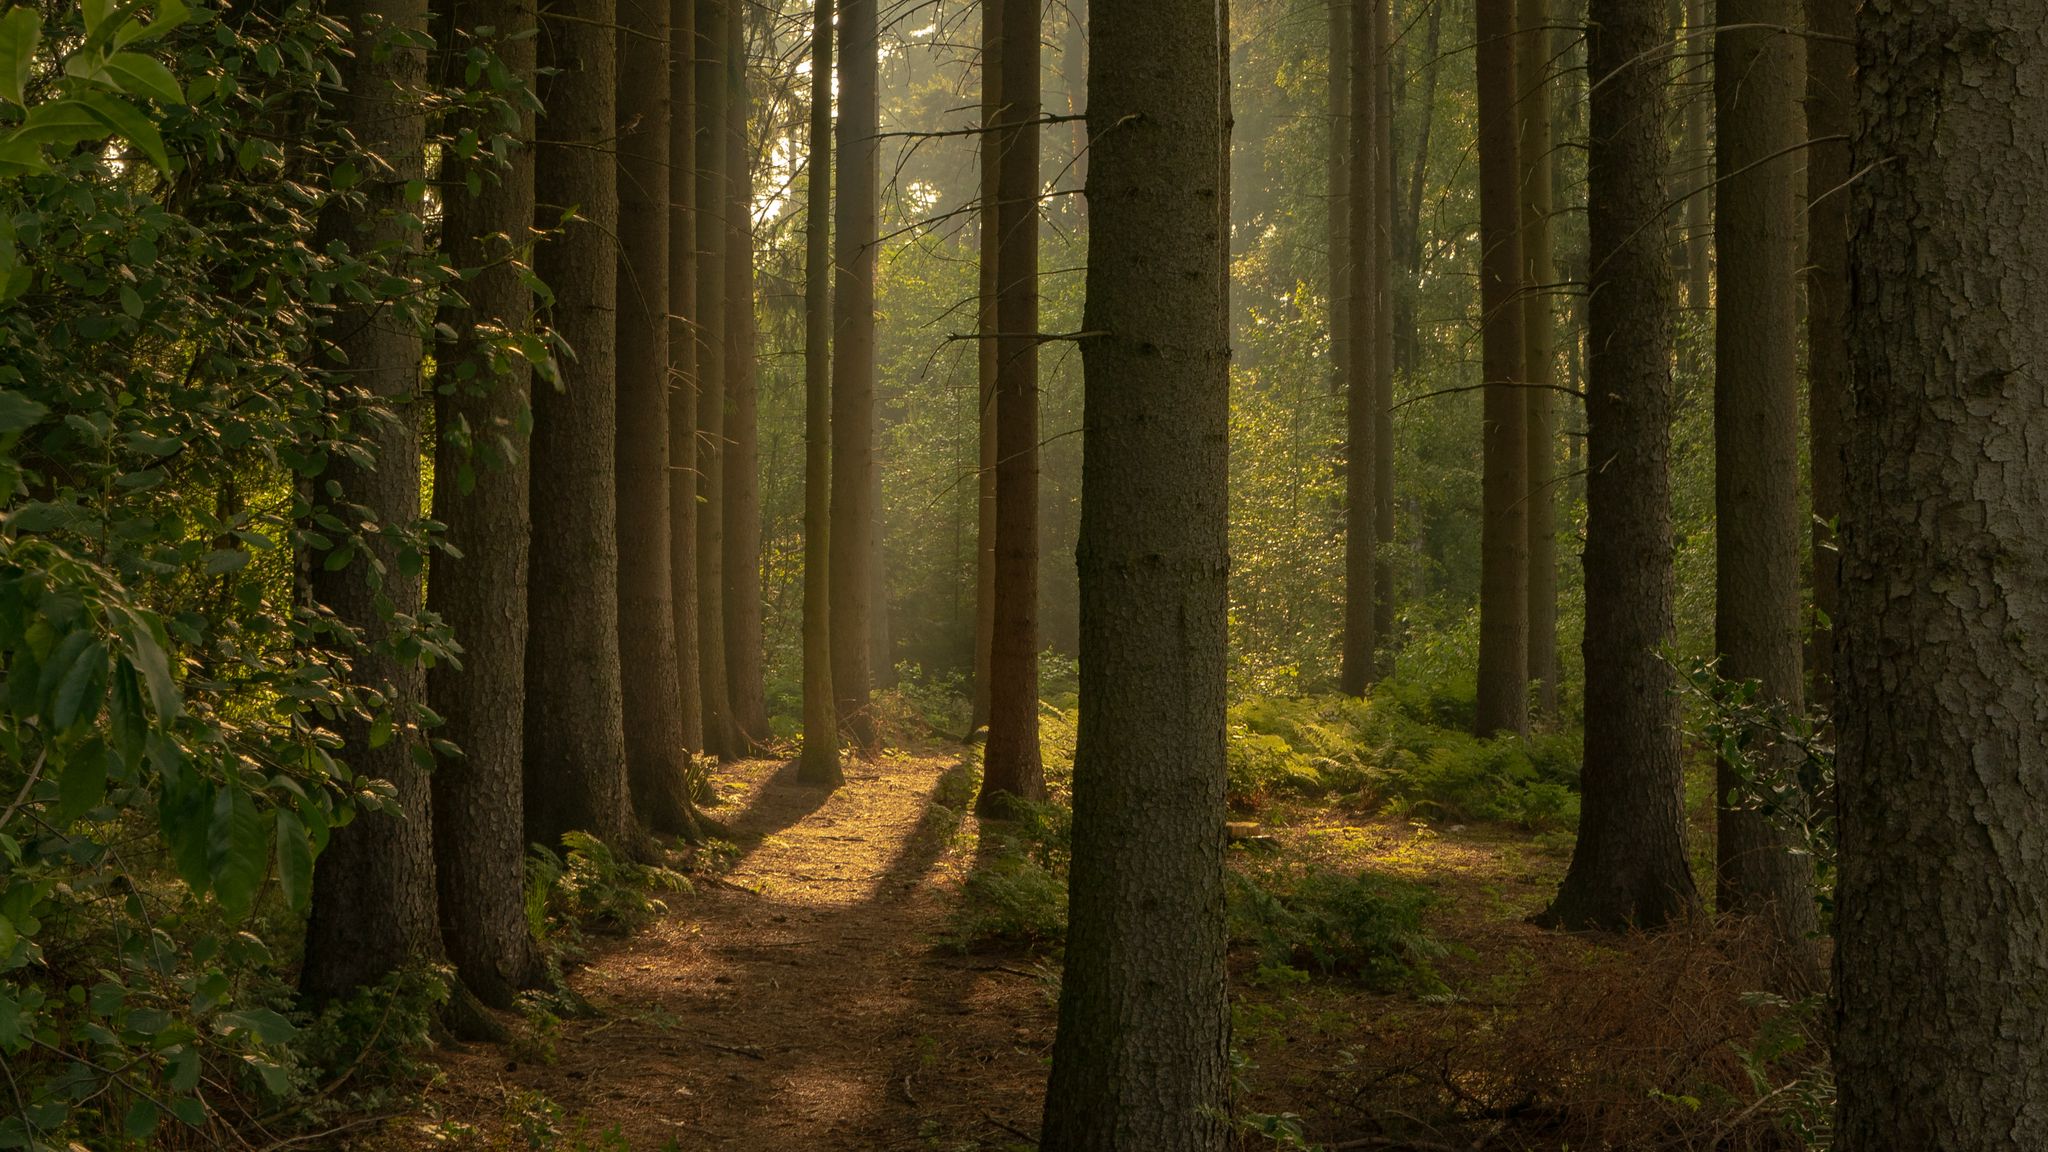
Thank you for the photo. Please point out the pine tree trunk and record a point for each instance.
(1011, 768)
(1629, 866)
(744, 645)
(1942, 897)
(714, 135)
(374, 903)
(1830, 112)
(1504, 514)
(657, 756)
(853, 369)
(986, 361)
(1142, 1056)
(479, 584)
(1407, 340)
(682, 359)
(1759, 82)
(1383, 342)
(820, 763)
(1539, 342)
(575, 728)
(1361, 391)
(1337, 178)
(1697, 176)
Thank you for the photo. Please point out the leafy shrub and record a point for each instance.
(1367, 927)
(1017, 894)
(591, 888)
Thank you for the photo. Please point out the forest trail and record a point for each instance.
(801, 1000)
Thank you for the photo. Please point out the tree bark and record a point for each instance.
(1830, 112)
(1504, 515)
(1383, 342)
(374, 906)
(1011, 768)
(986, 361)
(820, 762)
(1758, 85)
(1697, 176)
(1361, 391)
(657, 755)
(1142, 1056)
(574, 722)
(482, 416)
(1407, 342)
(744, 645)
(1539, 341)
(682, 360)
(1337, 177)
(853, 369)
(721, 736)
(1942, 896)
(1629, 867)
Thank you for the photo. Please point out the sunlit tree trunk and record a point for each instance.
(1337, 178)
(744, 651)
(986, 361)
(721, 736)
(820, 763)
(1383, 340)
(853, 369)
(1361, 391)
(682, 359)
(1539, 342)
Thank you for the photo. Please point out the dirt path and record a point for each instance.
(799, 1002)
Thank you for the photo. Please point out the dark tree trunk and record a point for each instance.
(1407, 346)
(1010, 766)
(1142, 1057)
(374, 905)
(1361, 391)
(1758, 85)
(853, 369)
(1698, 160)
(821, 712)
(1539, 342)
(1942, 898)
(1337, 178)
(1830, 112)
(1504, 513)
(714, 136)
(479, 585)
(575, 727)
(744, 649)
(1629, 866)
(682, 359)
(657, 755)
(986, 361)
(1383, 341)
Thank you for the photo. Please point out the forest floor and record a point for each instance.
(810, 997)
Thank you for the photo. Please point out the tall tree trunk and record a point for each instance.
(1942, 898)
(575, 727)
(1539, 342)
(820, 763)
(1504, 514)
(1337, 178)
(1142, 1056)
(1361, 391)
(1830, 112)
(1383, 341)
(744, 645)
(1011, 768)
(682, 359)
(1629, 866)
(1758, 85)
(714, 135)
(374, 904)
(1407, 346)
(657, 755)
(1697, 176)
(479, 584)
(853, 368)
(986, 361)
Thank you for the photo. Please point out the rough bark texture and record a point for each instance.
(853, 369)
(1011, 767)
(721, 735)
(1533, 56)
(1407, 342)
(820, 760)
(1629, 866)
(682, 360)
(1142, 1056)
(985, 363)
(374, 905)
(575, 730)
(1698, 159)
(746, 677)
(1337, 178)
(1361, 394)
(1759, 69)
(1941, 714)
(1383, 342)
(1830, 83)
(657, 755)
(1504, 504)
(483, 417)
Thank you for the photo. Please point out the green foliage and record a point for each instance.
(1017, 893)
(1366, 927)
(590, 887)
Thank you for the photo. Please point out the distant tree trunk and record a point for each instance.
(1407, 343)
(1142, 1056)
(853, 368)
(1383, 342)
(682, 359)
(657, 756)
(1361, 391)
(479, 585)
(881, 645)
(1698, 178)
(374, 905)
(1338, 181)
(1942, 898)
(744, 645)
(1011, 768)
(985, 422)
(1539, 342)
(1504, 516)
(1830, 112)
(1758, 85)
(1629, 866)
(721, 736)
(575, 727)
(820, 764)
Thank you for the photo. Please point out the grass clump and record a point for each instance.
(1365, 927)
(1016, 894)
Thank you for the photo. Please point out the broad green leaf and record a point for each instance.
(125, 719)
(140, 75)
(294, 860)
(57, 669)
(141, 1121)
(237, 851)
(61, 124)
(226, 560)
(20, 31)
(18, 412)
(144, 640)
(184, 809)
(131, 124)
(266, 1025)
(169, 14)
(83, 687)
(83, 787)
